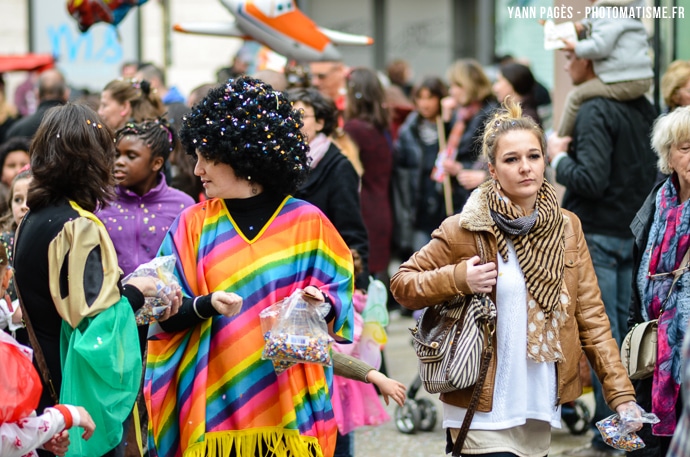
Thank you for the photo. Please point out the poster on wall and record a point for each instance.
(88, 60)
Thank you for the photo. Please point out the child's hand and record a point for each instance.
(568, 45)
(226, 303)
(146, 284)
(17, 316)
(388, 387)
(85, 422)
(58, 444)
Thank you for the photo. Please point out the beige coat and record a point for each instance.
(438, 272)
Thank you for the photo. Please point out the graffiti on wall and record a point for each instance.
(89, 60)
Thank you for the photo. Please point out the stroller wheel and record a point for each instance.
(408, 416)
(427, 411)
(577, 417)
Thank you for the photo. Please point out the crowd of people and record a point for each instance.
(263, 185)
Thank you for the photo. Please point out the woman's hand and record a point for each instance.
(174, 307)
(85, 422)
(226, 303)
(452, 167)
(556, 145)
(481, 277)
(629, 412)
(313, 295)
(471, 179)
(448, 107)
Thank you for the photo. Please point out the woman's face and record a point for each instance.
(682, 95)
(502, 88)
(680, 162)
(15, 161)
(459, 94)
(310, 125)
(519, 167)
(134, 168)
(219, 179)
(428, 105)
(113, 113)
(19, 193)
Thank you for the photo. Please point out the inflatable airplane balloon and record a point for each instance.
(279, 25)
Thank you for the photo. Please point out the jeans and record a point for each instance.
(613, 265)
(345, 445)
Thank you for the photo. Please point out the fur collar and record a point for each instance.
(475, 215)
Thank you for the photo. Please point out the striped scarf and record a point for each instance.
(540, 248)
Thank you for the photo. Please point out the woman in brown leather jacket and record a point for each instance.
(539, 274)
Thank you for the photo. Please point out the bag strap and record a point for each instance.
(487, 353)
(38, 352)
(36, 346)
(677, 273)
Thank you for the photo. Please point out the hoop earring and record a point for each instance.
(254, 190)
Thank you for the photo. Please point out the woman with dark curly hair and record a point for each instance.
(67, 273)
(207, 389)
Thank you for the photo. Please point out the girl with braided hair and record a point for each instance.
(536, 268)
(144, 206)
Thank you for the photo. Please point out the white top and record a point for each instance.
(21, 438)
(523, 389)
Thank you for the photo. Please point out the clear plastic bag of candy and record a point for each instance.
(299, 333)
(619, 431)
(161, 269)
(268, 319)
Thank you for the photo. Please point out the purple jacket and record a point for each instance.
(137, 225)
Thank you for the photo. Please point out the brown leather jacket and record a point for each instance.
(437, 272)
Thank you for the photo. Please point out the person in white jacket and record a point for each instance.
(616, 43)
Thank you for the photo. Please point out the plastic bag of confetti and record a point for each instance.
(299, 333)
(618, 432)
(268, 319)
(161, 269)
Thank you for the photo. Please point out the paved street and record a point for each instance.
(386, 440)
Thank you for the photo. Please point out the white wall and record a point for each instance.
(420, 32)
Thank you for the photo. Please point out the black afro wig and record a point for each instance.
(249, 126)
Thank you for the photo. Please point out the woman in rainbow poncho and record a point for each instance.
(251, 244)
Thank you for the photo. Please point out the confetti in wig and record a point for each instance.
(252, 128)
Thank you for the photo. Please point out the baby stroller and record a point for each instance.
(420, 414)
(416, 414)
(577, 416)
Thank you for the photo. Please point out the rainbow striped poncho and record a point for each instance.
(207, 389)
